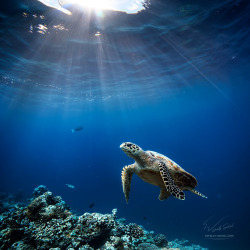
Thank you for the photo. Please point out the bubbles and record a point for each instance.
(42, 29)
(98, 33)
(60, 27)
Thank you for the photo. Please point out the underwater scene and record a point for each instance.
(124, 124)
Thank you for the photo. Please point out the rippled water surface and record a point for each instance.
(52, 58)
(173, 78)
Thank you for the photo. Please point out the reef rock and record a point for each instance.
(39, 191)
(46, 207)
(47, 223)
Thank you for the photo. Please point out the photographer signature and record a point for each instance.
(218, 226)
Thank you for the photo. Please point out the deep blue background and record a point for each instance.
(206, 135)
(200, 120)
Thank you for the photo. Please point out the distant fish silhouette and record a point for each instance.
(91, 205)
(144, 218)
(70, 186)
(77, 129)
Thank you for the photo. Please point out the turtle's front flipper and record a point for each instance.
(169, 182)
(164, 194)
(127, 173)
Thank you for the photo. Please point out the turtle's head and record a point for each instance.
(130, 149)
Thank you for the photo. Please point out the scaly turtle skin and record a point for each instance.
(157, 170)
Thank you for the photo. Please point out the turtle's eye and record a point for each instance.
(129, 145)
(132, 147)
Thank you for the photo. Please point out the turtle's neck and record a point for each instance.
(141, 157)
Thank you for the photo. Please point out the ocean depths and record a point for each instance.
(173, 78)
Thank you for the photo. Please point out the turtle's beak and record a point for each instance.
(123, 147)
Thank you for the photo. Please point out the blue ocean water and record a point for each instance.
(173, 79)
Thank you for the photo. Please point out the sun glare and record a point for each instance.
(128, 6)
(96, 4)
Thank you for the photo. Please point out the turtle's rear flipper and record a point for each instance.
(169, 182)
(198, 193)
(127, 173)
(164, 194)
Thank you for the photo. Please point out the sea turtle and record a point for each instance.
(157, 170)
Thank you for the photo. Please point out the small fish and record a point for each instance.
(70, 186)
(91, 205)
(76, 129)
(144, 218)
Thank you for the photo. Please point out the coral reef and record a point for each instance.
(39, 191)
(47, 223)
(9, 202)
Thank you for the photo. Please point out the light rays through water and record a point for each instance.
(102, 54)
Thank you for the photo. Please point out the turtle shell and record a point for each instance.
(182, 178)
